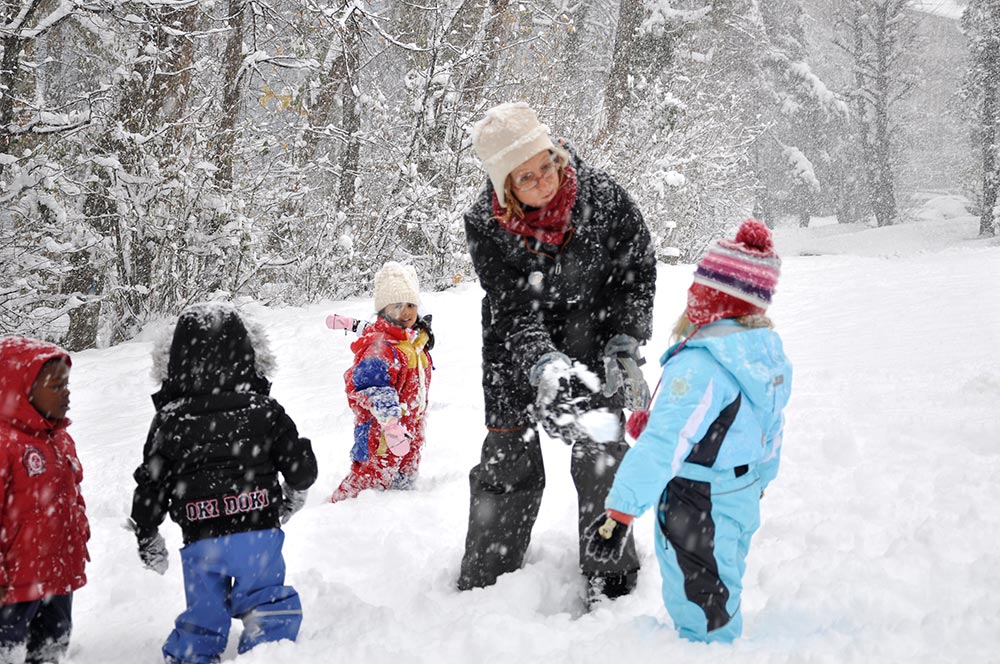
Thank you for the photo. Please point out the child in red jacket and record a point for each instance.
(43, 522)
(387, 387)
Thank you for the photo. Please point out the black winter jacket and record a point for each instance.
(218, 441)
(573, 299)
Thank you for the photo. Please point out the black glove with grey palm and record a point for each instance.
(291, 502)
(152, 547)
(606, 539)
(561, 397)
(622, 374)
(424, 323)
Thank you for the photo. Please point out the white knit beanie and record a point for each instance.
(396, 283)
(507, 136)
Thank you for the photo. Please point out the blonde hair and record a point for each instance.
(684, 328)
(514, 207)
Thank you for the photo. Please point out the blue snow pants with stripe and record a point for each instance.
(234, 576)
(703, 535)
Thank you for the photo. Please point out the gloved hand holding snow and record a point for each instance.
(291, 502)
(622, 374)
(549, 373)
(605, 538)
(561, 398)
(396, 438)
(152, 547)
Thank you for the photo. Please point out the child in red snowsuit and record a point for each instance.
(387, 388)
(43, 522)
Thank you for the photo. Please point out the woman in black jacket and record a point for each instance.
(566, 262)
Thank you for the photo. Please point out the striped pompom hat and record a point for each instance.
(735, 277)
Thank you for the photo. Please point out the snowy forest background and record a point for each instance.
(159, 152)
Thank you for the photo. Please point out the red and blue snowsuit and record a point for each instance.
(390, 378)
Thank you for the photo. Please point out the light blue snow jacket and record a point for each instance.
(723, 361)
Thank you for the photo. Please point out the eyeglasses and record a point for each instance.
(530, 180)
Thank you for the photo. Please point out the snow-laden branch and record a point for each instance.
(802, 168)
(51, 123)
(164, 4)
(818, 89)
(392, 40)
(59, 14)
(253, 60)
(15, 25)
(663, 16)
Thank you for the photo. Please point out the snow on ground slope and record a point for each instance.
(879, 537)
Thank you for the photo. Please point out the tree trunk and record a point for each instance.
(351, 155)
(990, 121)
(617, 90)
(84, 320)
(141, 97)
(882, 187)
(232, 62)
(11, 71)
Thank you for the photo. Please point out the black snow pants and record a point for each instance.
(506, 492)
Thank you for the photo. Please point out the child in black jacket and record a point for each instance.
(212, 458)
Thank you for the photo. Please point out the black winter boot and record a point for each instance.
(609, 586)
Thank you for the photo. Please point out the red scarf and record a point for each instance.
(548, 224)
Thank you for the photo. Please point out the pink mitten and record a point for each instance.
(396, 438)
(345, 323)
(338, 322)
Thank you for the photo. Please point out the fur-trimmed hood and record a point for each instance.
(211, 348)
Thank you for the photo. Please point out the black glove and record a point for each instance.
(291, 502)
(424, 324)
(606, 539)
(152, 547)
(622, 374)
(560, 399)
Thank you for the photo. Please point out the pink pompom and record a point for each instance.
(755, 235)
(637, 422)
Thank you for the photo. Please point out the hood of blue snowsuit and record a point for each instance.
(755, 358)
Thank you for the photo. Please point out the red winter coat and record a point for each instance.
(43, 522)
(390, 377)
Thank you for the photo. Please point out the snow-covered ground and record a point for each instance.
(946, 8)
(880, 539)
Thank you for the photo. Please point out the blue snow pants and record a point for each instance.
(234, 576)
(703, 536)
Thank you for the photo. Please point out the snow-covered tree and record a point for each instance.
(157, 153)
(47, 97)
(878, 35)
(981, 24)
(803, 116)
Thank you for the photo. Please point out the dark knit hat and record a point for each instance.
(735, 277)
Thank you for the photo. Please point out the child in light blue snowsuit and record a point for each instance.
(713, 440)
